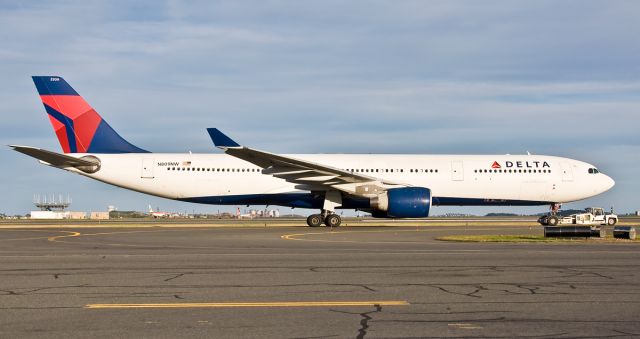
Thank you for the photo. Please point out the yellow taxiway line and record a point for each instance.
(257, 304)
(70, 234)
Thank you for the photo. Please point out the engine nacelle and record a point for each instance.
(406, 202)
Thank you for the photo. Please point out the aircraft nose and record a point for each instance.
(608, 183)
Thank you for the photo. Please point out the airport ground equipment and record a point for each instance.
(571, 232)
(624, 232)
(592, 216)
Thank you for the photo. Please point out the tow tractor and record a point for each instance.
(592, 216)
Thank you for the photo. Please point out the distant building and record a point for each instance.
(77, 215)
(57, 215)
(48, 215)
(637, 213)
(99, 215)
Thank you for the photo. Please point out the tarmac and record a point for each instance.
(299, 282)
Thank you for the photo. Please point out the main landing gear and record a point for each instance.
(328, 218)
(332, 199)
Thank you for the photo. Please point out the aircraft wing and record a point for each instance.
(306, 174)
(55, 159)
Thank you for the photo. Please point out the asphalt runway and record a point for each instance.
(298, 282)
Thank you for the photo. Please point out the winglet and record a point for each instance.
(220, 139)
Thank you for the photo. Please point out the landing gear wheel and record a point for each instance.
(314, 220)
(552, 220)
(612, 221)
(333, 220)
(543, 220)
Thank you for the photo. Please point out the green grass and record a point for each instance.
(525, 239)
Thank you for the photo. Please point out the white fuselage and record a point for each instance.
(453, 179)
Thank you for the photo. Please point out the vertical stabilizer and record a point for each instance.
(79, 128)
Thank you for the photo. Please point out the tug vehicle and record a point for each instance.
(592, 216)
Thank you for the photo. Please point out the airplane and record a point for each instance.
(385, 185)
(239, 215)
(159, 214)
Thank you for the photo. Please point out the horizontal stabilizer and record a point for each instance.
(220, 139)
(57, 159)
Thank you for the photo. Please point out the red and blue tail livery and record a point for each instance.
(79, 128)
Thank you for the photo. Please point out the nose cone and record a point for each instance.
(608, 183)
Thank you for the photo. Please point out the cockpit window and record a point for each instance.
(593, 171)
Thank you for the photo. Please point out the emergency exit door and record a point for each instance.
(147, 168)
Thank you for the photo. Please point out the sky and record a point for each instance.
(464, 77)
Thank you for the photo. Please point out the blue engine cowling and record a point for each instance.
(406, 202)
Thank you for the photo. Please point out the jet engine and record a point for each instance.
(406, 202)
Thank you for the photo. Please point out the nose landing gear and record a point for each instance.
(551, 219)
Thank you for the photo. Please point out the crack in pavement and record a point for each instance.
(573, 272)
(175, 277)
(29, 291)
(473, 294)
(364, 323)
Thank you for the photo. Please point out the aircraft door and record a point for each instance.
(147, 168)
(567, 172)
(457, 170)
